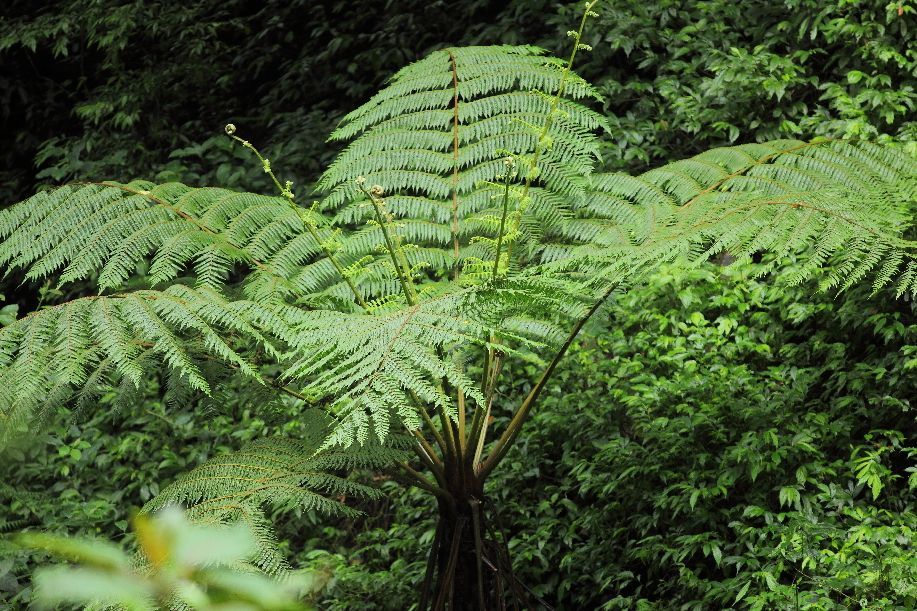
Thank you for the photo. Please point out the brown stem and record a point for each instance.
(447, 573)
(428, 457)
(431, 565)
(418, 480)
(460, 400)
(435, 432)
(451, 446)
(478, 549)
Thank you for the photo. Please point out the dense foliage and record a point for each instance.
(97, 89)
(714, 440)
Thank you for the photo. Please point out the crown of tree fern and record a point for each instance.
(386, 367)
(845, 203)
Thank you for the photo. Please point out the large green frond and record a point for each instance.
(105, 230)
(436, 137)
(92, 343)
(847, 206)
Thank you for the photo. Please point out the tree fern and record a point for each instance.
(462, 226)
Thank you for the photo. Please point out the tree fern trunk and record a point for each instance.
(457, 561)
(469, 567)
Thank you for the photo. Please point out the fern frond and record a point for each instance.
(90, 343)
(106, 230)
(275, 474)
(843, 205)
(374, 366)
(437, 135)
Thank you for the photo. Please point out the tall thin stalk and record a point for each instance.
(286, 191)
(541, 142)
(399, 261)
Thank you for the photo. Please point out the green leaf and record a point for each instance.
(742, 592)
(57, 585)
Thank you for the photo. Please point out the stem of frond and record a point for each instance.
(434, 431)
(491, 361)
(451, 444)
(502, 446)
(461, 418)
(417, 479)
(313, 231)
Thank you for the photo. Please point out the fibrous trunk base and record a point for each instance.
(469, 567)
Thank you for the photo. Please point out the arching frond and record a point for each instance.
(845, 205)
(91, 343)
(105, 230)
